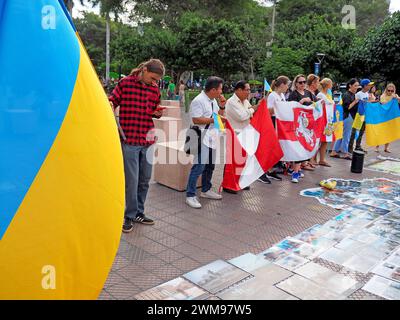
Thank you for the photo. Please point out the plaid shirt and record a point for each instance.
(137, 102)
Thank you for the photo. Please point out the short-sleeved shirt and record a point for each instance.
(362, 96)
(323, 97)
(274, 98)
(297, 96)
(171, 87)
(204, 107)
(348, 99)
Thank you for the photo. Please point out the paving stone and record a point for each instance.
(184, 239)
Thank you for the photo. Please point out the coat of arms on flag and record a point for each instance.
(299, 129)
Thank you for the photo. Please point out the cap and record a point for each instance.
(366, 82)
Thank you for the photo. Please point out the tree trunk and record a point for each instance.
(252, 69)
(108, 49)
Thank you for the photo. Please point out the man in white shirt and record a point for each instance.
(239, 111)
(362, 95)
(201, 111)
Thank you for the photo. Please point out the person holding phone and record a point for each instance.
(138, 98)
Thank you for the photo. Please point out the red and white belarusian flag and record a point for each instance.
(251, 153)
(299, 129)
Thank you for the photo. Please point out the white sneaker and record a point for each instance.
(211, 195)
(193, 202)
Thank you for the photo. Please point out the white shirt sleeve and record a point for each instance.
(196, 109)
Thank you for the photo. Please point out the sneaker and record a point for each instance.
(274, 176)
(264, 179)
(301, 173)
(127, 226)
(144, 220)
(193, 202)
(211, 195)
(290, 171)
(295, 177)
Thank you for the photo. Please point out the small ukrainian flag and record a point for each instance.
(218, 124)
(267, 87)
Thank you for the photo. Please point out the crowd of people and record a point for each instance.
(138, 98)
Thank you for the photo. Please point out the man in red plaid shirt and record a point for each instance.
(138, 98)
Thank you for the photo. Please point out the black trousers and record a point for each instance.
(359, 139)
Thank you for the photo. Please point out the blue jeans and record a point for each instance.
(137, 177)
(204, 166)
(342, 145)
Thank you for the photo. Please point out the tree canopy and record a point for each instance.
(230, 38)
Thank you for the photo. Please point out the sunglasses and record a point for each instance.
(390, 91)
(301, 82)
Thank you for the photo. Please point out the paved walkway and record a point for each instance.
(184, 239)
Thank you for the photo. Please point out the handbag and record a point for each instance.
(194, 136)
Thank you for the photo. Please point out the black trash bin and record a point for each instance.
(357, 164)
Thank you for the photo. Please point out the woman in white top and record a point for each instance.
(279, 86)
(325, 85)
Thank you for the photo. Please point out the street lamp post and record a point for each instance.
(318, 66)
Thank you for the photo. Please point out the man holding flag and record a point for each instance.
(239, 111)
(204, 110)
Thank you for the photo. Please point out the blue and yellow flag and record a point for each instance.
(61, 167)
(382, 122)
(267, 87)
(358, 121)
(218, 124)
(338, 119)
(330, 94)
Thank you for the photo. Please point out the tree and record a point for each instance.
(379, 51)
(129, 48)
(312, 34)
(368, 13)
(209, 44)
(92, 30)
(106, 8)
(284, 61)
(168, 12)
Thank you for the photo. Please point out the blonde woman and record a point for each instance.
(387, 96)
(325, 85)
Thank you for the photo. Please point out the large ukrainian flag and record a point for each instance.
(382, 122)
(61, 168)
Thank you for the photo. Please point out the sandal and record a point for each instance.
(324, 164)
(348, 157)
(335, 156)
(387, 151)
